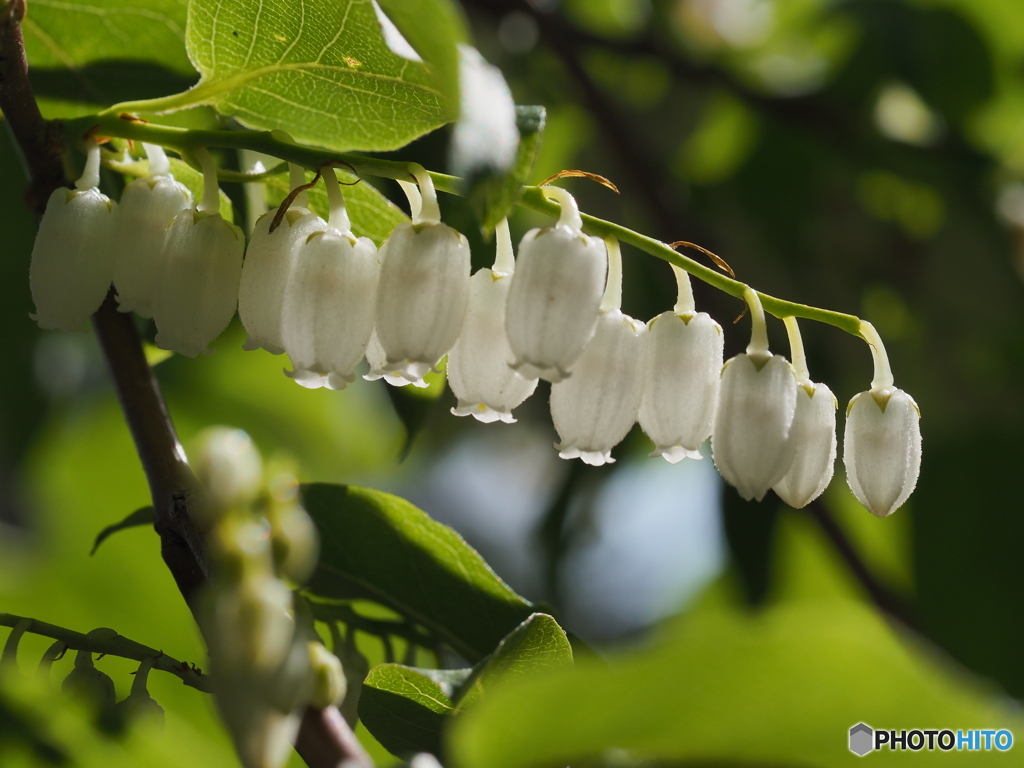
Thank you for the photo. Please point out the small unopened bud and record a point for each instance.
(229, 467)
(294, 540)
(328, 677)
(88, 684)
(139, 705)
(250, 625)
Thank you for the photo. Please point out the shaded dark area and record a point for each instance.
(109, 82)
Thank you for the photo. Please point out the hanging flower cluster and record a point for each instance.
(328, 299)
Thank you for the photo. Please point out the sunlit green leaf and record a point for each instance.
(318, 69)
(782, 688)
(404, 709)
(381, 547)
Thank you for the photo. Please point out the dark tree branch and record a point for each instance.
(882, 596)
(325, 739)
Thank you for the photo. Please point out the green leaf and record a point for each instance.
(378, 546)
(98, 52)
(537, 643)
(141, 516)
(318, 69)
(404, 709)
(372, 214)
(493, 196)
(432, 28)
(780, 688)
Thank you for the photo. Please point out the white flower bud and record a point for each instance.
(196, 291)
(422, 297)
(478, 365)
(328, 676)
(682, 366)
(751, 440)
(269, 260)
(555, 295)
(294, 538)
(228, 466)
(147, 208)
(814, 440)
(595, 408)
(882, 448)
(328, 309)
(249, 624)
(73, 258)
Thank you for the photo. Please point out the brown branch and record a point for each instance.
(325, 739)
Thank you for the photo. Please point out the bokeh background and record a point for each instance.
(866, 156)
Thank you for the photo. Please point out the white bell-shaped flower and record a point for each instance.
(554, 299)
(269, 260)
(882, 443)
(423, 291)
(328, 308)
(147, 208)
(594, 409)
(751, 441)
(73, 258)
(196, 291)
(478, 370)
(377, 360)
(813, 433)
(682, 368)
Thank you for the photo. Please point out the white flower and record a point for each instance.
(595, 408)
(485, 137)
(478, 370)
(682, 368)
(751, 441)
(423, 291)
(197, 290)
(377, 359)
(269, 260)
(882, 448)
(147, 208)
(73, 257)
(814, 440)
(555, 295)
(328, 308)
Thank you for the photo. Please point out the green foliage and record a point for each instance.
(492, 196)
(318, 69)
(404, 709)
(380, 547)
(726, 688)
(141, 516)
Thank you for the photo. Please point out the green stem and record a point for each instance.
(113, 646)
(184, 140)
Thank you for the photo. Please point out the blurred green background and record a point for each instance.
(865, 156)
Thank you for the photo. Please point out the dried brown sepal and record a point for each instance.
(719, 261)
(286, 203)
(580, 174)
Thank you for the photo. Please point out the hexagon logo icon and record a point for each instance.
(861, 739)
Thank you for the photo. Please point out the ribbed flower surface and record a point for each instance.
(328, 308)
(553, 301)
(73, 258)
(882, 449)
(751, 440)
(478, 365)
(814, 438)
(682, 367)
(594, 409)
(422, 297)
(268, 263)
(197, 289)
(147, 208)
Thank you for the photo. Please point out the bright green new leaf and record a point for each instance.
(141, 516)
(492, 196)
(538, 643)
(780, 688)
(432, 28)
(318, 69)
(380, 547)
(404, 709)
(372, 214)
